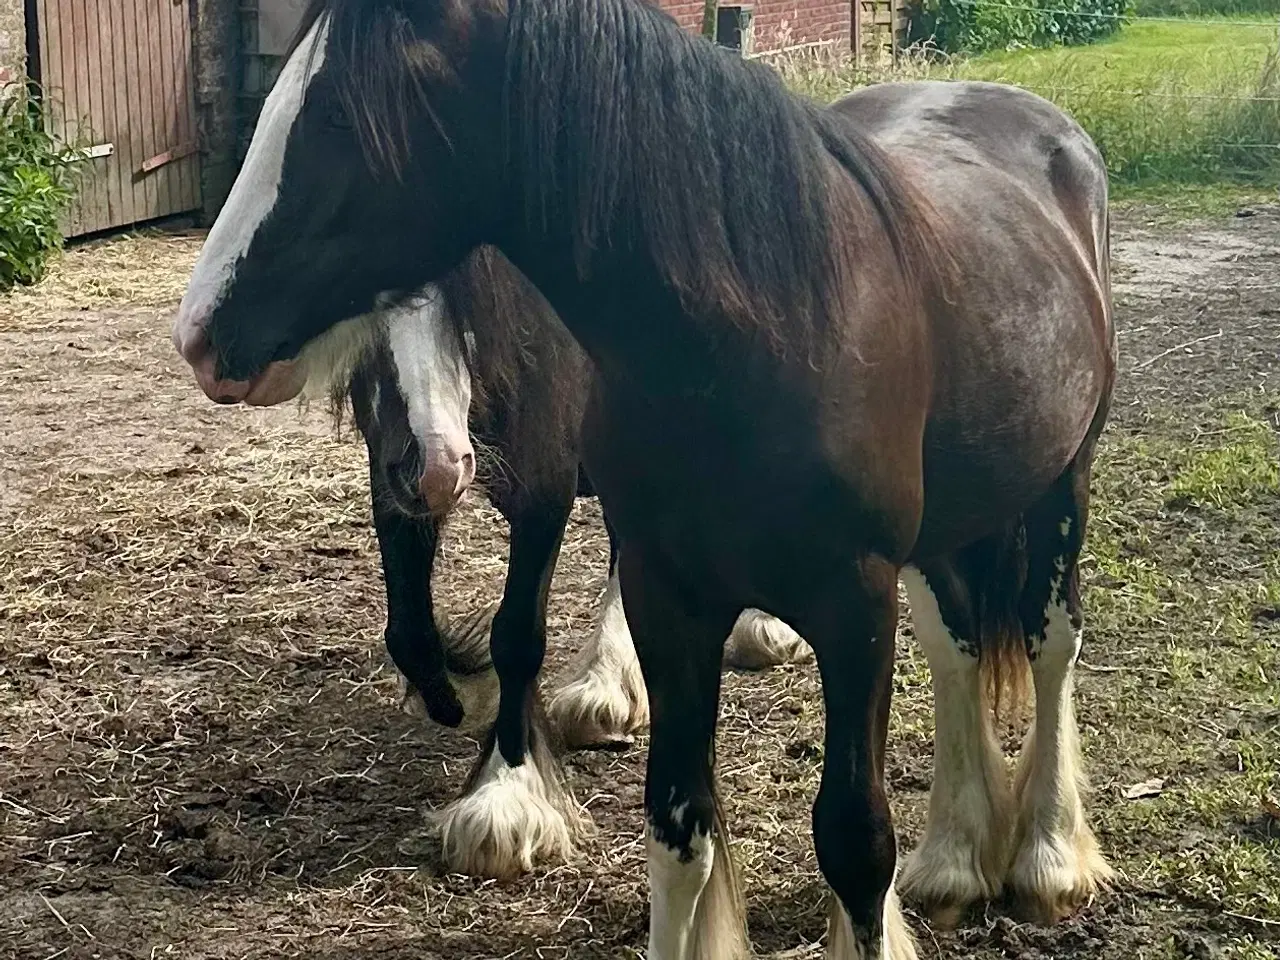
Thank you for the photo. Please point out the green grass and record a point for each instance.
(1206, 8)
(1169, 102)
(1189, 107)
(1174, 594)
(1235, 473)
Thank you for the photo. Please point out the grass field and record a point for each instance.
(1192, 106)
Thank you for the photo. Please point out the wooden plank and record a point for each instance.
(97, 202)
(174, 139)
(138, 65)
(189, 165)
(122, 137)
(187, 106)
(154, 51)
(855, 32)
(107, 104)
(181, 143)
(79, 108)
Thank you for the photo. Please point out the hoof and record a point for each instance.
(1052, 878)
(760, 641)
(511, 820)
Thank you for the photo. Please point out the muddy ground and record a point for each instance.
(200, 751)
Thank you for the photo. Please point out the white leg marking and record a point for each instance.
(760, 641)
(510, 819)
(257, 187)
(963, 855)
(1058, 865)
(603, 701)
(675, 887)
(896, 942)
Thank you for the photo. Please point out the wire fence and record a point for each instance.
(1125, 17)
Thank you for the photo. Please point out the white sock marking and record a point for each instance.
(962, 856)
(675, 886)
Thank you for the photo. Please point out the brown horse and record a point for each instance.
(480, 361)
(831, 346)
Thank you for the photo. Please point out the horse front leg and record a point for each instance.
(696, 910)
(853, 635)
(515, 810)
(408, 549)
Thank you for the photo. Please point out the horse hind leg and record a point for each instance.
(963, 856)
(603, 702)
(760, 641)
(1057, 866)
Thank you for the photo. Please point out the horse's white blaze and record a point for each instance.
(256, 189)
(1057, 865)
(603, 700)
(675, 887)
(963, 855)
(432, 374)
(512, 818)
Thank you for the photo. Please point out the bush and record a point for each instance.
(971, 26)
(36, 188)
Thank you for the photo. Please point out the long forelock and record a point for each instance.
(378, 67)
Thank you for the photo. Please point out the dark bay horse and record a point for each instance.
(832, 346)
(480, 360)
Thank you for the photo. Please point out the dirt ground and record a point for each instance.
(200, 751)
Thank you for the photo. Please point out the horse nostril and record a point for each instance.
(466, 470)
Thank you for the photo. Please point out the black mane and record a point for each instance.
(643, 136)
(633, 134)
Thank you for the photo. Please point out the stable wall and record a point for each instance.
(13, 40)
(779, 24)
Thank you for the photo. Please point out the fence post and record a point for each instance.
(855, 31)
(893, 31)
(710, 10)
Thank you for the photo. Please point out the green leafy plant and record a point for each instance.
(37, 186)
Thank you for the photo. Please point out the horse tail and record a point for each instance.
(997, 591)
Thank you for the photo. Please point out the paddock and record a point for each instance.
(200, 750)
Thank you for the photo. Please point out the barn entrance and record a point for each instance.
(119, 83)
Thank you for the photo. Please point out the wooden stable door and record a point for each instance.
(117, 74)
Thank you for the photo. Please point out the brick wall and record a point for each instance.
(778, 23)
(13, 40)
